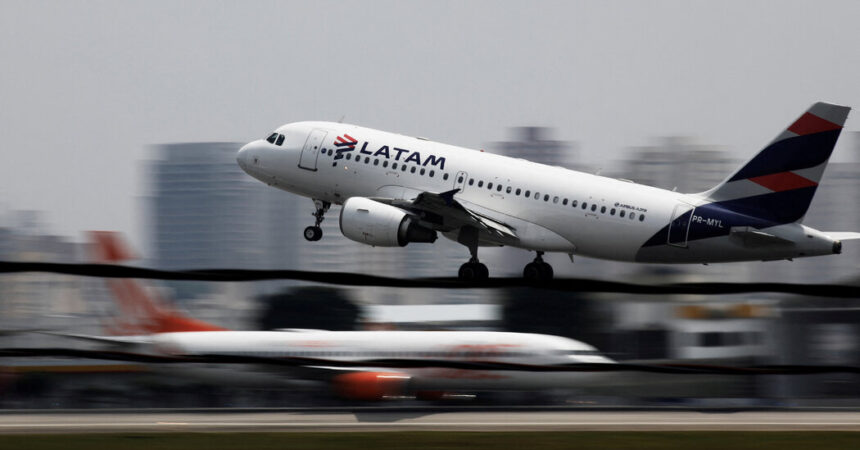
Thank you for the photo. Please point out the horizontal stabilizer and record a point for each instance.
(751, 237)
(115, 340)
(842, 235)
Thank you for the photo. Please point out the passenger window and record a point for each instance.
(518, 191)
(621, 213)
(508, 190)
(602, 210)
(280, 139)
(348, 156)
(546, 197)
(384, 163)
(612, 212)
(445, 177)
(272, 137)
(632, 215)
(394, 166)
(367, 159)
(564, 202)
(432, 173)
(641, 217)
(471, 181)
(375, 162)
(459, 179)
(403, 168)
(481, 183)
(528, 194)
(499, 188)
(573, 203)
(412, 169)
(593, 207)
(490, 186)
(555, 199)
(584, 205)
(537, 195)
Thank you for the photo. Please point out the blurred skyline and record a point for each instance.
(89, 85)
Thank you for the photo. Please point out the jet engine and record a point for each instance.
(370, 386)
(373, 223)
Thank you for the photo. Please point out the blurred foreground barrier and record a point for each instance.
(397, 363)
(355, 279)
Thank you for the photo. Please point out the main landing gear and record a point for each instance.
(538, 270)
(314, 233)
(473, 270)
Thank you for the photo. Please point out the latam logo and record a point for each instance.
(347, 143)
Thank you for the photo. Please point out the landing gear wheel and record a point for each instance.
(313, 233)
(473, 271)
(483, 272)
(547, 271)
(538, 270)
(532, 272)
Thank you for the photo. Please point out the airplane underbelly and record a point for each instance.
(457, 380)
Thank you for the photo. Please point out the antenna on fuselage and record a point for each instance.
(341, 118)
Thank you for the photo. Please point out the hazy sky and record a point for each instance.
(85, 87)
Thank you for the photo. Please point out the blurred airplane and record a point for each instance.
(151, 326)
(398, 189)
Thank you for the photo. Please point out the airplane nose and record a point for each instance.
(242, 157)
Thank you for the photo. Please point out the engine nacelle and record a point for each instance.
(370, 386)
(373, 223)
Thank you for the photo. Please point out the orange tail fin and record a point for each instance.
(141, 310)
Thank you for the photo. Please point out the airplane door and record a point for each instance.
(679, 227)
(311, 150)
(460, 181)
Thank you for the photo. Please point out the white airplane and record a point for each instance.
(151, 326)
(398, 189)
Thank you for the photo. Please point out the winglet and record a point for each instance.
(448, 196)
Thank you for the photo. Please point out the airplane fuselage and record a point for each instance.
(550, 208)
(322, 347)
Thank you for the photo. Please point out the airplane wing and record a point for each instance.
(447, 214)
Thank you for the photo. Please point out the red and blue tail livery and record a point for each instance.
(778, 183)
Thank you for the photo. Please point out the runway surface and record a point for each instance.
(427, 421)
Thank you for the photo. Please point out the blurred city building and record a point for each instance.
(536, 144)
(678, 163)
(51, 298)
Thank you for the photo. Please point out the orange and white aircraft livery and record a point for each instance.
(397, 190)
(159, 328)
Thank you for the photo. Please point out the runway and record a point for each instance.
(369, 420)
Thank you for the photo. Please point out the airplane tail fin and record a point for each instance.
(141, 311)
(779, 182)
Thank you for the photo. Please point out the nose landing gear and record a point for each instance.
(538, 270)
(314, 233)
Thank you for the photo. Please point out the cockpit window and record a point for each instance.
(280, 139)
(272, 137)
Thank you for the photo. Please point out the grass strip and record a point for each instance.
(700, 440)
